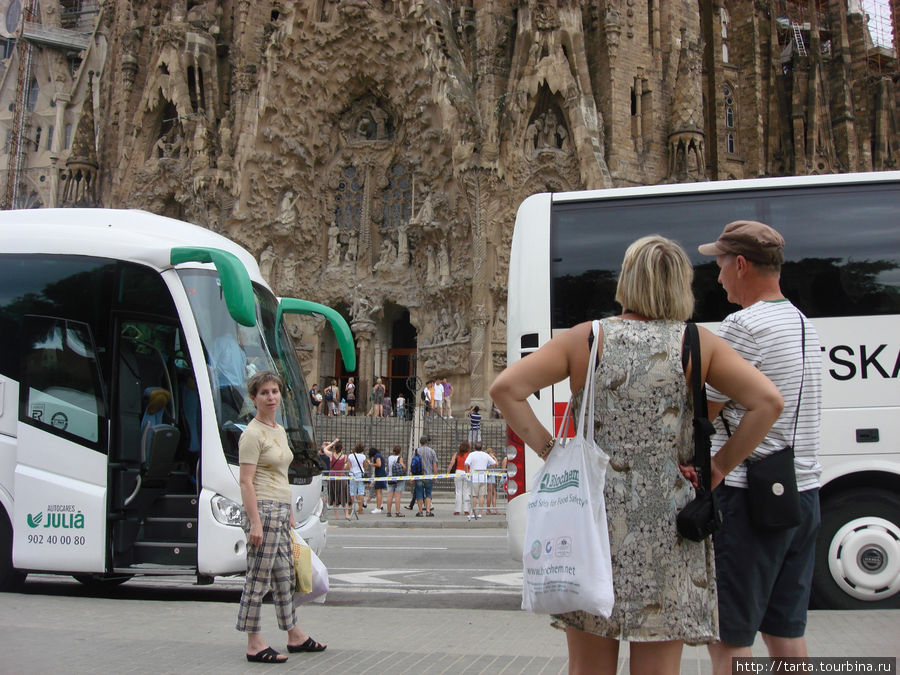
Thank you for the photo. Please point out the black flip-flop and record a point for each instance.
(267, 655)
(309, 646)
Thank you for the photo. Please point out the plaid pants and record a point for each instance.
(269, 565)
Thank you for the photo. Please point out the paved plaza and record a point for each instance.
(53, 629)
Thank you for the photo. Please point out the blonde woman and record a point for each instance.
(665, 592)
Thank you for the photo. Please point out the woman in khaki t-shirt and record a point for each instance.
(267, 519)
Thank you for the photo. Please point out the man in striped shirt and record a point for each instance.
(474, 424)
(764, 576)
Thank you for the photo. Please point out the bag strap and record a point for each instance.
(356, 459)
(703, 428)
(587, 391)
(799, 393)
(802, 374)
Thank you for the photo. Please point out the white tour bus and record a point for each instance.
(842, 270)
(126, 340)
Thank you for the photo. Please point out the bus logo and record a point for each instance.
(65, 521)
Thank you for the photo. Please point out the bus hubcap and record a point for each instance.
(864, 558)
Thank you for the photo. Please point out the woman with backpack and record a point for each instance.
(357, 465)
(332, 396)
(350, 395)
(395, 487)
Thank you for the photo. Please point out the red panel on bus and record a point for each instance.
(559, 409)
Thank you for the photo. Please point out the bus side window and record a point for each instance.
(60, 390)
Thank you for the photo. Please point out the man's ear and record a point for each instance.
(741, 263)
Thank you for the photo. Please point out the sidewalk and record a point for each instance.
(47, 634)
(443, 516)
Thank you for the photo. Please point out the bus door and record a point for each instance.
(60, 476)
(155, 448)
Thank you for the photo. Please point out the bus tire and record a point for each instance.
(10, 578)
(101, 581)
(858, 552)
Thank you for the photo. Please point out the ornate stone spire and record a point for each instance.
(687, 157)
(82, 167)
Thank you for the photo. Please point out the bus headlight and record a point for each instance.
(226, 511)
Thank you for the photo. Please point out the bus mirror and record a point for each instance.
(236, 284)
(338, 324)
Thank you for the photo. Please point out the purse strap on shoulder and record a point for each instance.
(703, 428)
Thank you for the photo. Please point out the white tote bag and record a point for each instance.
(566, 561)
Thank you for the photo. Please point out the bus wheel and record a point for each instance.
(10, 578)
(858, 552)
(100, 581)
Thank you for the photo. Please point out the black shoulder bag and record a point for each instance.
(772, 496)
(702, 516)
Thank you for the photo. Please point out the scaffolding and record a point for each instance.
(878, 19)
(881, 45)
(794, 25)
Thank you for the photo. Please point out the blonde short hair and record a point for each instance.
(655, 280)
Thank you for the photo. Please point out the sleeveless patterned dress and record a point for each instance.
(665, 586)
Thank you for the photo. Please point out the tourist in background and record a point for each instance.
(474, 424)
(338, 486)
(377, 399)
(395, 486)
(356, 466)
(448, 393)
(424, 486)
(492, 485)
(379, 464)
(461, 483)
(350, 395)
(477, 463)
(315, 398)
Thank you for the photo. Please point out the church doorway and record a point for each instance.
(402, 359)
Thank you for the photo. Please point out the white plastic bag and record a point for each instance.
(319, 583)
(566, 561)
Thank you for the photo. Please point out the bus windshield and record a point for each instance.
(234, 352)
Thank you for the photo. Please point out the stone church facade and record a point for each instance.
(373, 153)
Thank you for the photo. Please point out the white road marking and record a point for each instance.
(510, 579)
(372, 577)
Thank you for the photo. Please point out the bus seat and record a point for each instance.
(158, 445)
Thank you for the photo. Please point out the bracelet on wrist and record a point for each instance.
(543, 452)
